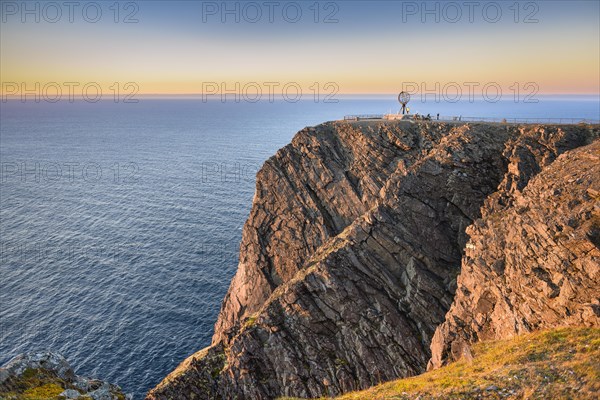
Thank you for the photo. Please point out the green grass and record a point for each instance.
(557, 364)
(33, 384)
(38, 384)
(44, 392)
(250, 321)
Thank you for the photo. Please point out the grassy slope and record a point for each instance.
(557, 364)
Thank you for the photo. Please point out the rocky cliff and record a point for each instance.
(48, 376)
(349, 258)
(532, 262)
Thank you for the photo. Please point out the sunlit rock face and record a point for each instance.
(532, 262)
(349, 258)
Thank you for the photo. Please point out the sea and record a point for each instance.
(120, 223)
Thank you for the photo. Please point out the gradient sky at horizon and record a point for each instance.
(372, 48)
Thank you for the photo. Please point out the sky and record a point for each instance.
(350, 47)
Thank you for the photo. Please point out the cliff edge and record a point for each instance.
(350, 256)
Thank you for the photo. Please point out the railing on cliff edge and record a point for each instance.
(363, 116)
(568, 121)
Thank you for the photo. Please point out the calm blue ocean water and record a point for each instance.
(120, 223)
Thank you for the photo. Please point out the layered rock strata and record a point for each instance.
(349, 257)
(531, 265)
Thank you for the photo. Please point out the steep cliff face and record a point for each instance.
(349, 258)
(307, 193)
(534, 264)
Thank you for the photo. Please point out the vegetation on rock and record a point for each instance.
(556, 364)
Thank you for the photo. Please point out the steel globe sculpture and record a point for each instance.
(403, 98)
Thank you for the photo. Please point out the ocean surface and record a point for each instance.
(120, 223)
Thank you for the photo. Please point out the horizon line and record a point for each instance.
(217, 96)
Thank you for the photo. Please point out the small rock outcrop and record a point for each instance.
(349, 257)
(532, 262)
(47, 375)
